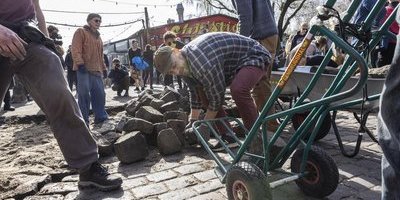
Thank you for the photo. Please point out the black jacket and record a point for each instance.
(118, 74)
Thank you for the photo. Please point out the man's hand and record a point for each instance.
(11, 45)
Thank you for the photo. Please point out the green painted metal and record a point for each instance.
(318, 109)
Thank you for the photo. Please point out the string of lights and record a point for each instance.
(103, 26)
(123, 31)
(138, 4)
(101, 13)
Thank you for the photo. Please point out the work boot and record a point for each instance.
(9, 108)
(97, 176)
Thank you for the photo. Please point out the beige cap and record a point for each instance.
(162, 59)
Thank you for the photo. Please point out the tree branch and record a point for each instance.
(221, 6)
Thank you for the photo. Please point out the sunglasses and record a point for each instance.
(97, 20)
(172, 44)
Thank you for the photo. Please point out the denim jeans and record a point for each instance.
(42, 75)
(90, 90)
(389, 128)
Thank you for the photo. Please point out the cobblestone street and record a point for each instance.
(190, 174)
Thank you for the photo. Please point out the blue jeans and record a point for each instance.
(90, 90)
(389, 129)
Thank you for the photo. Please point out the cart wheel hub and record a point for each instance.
(313, 175)
(240, 191)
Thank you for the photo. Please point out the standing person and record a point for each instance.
(71, 74)
(388, 45)
(170, 40)
(120, 78)
(37, 66)
(87, 54)
(389, 128)
(136, 74)
(256, 20)
(148, 57)
(209, 64)
(297, 38)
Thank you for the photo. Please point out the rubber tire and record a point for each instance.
(251, 177)
(326, 170)
(299, 118)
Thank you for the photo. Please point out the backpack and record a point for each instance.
(140, 64)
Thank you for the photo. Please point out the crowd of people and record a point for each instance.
(207, 65)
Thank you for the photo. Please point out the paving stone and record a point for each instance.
(179, 127)
(30, 187)
(168, 143)
(132, 107)
(94, 194)
(150, 114)
(360, 183)
(149, 190)
(181, 182)
(176, 115)
(137, 124)
(209, 196)
(205, 175)
(208, 186)
(120, 125)
(131, 147)
(189, 169)
(170, 106)
(157, 103)
(134, 182)
(62, 188)
(59, 173)
(170, 96)
(181, 194)
(161, 176)
(71, 178)
(45, 197)
(152, 138)
(145, 99)
(161, 166)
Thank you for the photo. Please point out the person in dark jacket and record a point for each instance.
(136, 74)
(148, 73)
(71, 74)
(120, 78)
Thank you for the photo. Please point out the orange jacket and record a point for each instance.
(87, 49)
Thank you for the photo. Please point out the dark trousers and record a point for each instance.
(42, 75)
(389, 129)
(148, 73)
(7, 99)
(72, 79)
(317, 60)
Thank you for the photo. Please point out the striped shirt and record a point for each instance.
(214, 59)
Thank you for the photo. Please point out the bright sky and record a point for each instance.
(159, 11)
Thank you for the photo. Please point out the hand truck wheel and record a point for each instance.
(322, 175)
(245, 181)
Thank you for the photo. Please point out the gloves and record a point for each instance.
(105, 73)
(82, 68)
